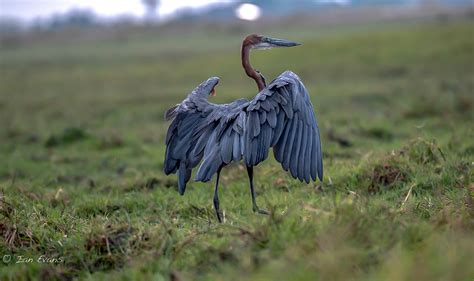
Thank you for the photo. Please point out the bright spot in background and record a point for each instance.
(248, 12)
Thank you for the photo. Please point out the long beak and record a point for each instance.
(275, 42)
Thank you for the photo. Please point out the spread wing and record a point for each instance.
(282, 116)
(203, 130)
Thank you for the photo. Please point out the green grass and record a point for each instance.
(82, 146)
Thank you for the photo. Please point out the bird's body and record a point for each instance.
(280, 116)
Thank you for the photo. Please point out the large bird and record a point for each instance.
(280, 116)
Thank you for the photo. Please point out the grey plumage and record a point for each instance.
(280, 116)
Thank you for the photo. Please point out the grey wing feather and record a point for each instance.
(280, 116)
(224, 145)
(290, 127)
(202, 130)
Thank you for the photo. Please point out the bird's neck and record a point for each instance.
(249, 70)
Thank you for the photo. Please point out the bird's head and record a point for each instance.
(260, 42)
(207, 87)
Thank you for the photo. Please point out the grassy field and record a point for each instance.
(83, 195)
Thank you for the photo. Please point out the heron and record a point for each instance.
(281, 116)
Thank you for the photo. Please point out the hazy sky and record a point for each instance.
(28, 9)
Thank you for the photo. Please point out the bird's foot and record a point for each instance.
(219, 216)
(261, 211)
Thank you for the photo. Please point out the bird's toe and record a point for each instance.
(261, 211)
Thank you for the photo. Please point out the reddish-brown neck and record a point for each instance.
(246, 46)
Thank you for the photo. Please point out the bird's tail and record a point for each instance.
(171, 113)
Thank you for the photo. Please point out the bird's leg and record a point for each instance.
(216, 196)
(252, 191)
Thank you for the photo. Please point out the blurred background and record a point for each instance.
(47, 14)
(83, 88)
(100, 52)
(107, 66)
